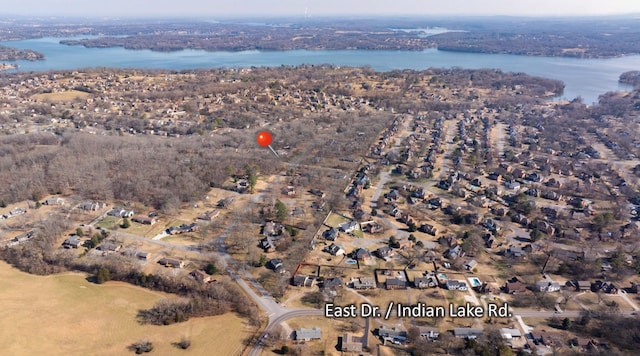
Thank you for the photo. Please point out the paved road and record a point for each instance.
(274, 322)
(384, 178)
(451, 126)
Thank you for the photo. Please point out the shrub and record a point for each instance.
(184, 343)
(141, 347)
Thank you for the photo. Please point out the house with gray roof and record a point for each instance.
(308, 334)
(467, 333)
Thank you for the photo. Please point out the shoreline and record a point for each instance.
(7, 66)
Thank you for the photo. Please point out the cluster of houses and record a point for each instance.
(272, 234)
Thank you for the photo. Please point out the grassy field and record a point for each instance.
(64, 96)
(334, 220)
(66, 315)
(109, 222)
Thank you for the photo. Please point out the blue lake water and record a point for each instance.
(582, 77)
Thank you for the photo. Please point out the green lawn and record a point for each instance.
(109, 222)
(334, 220)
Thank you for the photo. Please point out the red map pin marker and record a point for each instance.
(264, 139)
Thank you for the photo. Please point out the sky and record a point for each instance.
(315, 8)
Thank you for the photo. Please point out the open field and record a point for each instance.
(63, 96)
(67, 315)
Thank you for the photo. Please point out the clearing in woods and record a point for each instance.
(65, 314)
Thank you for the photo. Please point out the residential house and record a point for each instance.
(141, 219)
(584, 344)
(545, 227)
(510, 333)
(476, 182)
(373, 228)
(515, 286)
(275, 264)
(429, 281)
(363, 283)
(303, 334)
(393, 195)
(428, 229)
(385, 252)
(547, 338)
(331, 234)
(429, 332)
(209, 215)
(404, 244)
(171, 262)
(492, 288)
(448, 241)
(467, 333)
(332, 283)
(109, 247)
(72, 242)
(491, 225)
(582, 285)
(499, 211)
(290, 190)
(21, 238)
(550, 195)
(454, 252)
(318, 204)
(363, 256)
(349, 227)
(335, 250)
(495, 176)
(92, 206)
(546, 286)
(392, 333)
(395, 283)
(470, 265)
(514, 251)
(200, 276)
(54, 201)
(300, 280)
(507, 168)
(120, 213)
(350, 343)
(182, 229)
(406, 219)
(534, 177)
(453, 284)
(317, 192)
(267, 244)
(225, 203)
(520, 219)
(270, 228)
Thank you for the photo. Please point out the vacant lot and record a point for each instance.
(66, 315)
(63, 96)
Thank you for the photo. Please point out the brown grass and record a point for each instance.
(63, 96)
(66, 315)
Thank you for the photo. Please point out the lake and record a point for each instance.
(587, 78)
